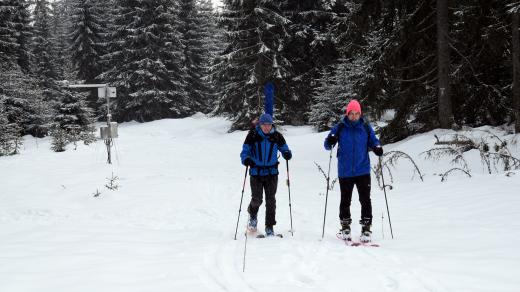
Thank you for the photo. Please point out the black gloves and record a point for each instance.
(332, 140)
(378, 150)
(249, 162)
(287, 155)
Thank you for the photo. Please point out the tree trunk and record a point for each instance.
(446, 119)
(516, 70)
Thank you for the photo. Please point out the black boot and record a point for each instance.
(344, 232)
(251, 225)
(366, 233)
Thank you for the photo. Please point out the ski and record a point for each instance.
(254, 233)
(359, 243)
(351, 242)
(264, 236)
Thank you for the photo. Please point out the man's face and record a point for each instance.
(266, 128)
(353, 116)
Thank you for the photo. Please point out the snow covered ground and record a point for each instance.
(170, 226)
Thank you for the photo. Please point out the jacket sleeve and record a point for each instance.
(333, 132)
(246, 147)
(282, 145)
(373, 141)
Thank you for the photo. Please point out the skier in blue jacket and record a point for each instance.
(355, 137)
(260, 153)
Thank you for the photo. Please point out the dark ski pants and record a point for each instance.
(346, 185)
(268, 183)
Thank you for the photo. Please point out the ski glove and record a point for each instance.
(287, 155)
(249, 162)
(332, 140)
(378, 150)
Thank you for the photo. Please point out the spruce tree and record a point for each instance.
(88, 28)
(44, 63)
(480, 52)
(254, 55)
(23, 101)
(10, 138)
(310, 49)
(73, 122)
(21, 19)
(146, 62)
(336, 88)
(89, 23)
(61, 24)
(8, 33)
(212, 45)
(193, 52)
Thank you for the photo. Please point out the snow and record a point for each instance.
(170, 226)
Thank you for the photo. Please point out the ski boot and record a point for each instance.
(269, 231)
(251, 225)
(344, 232)
(366, 234)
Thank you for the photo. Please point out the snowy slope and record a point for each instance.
(171, 224)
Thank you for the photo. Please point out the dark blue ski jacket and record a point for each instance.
(355, 140)
(263, 150)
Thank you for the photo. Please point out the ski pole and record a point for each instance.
(386, 200)
(245, 248)
(241, 198)
(289, 188)
(326, 195)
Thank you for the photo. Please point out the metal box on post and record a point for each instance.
(107, 133)
(112, 92)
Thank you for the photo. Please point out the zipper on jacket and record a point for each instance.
(353, 150)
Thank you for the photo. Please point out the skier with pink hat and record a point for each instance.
(355, 138)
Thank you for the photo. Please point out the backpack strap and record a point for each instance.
(367, 129)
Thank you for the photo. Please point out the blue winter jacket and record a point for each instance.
(353, 145)
(263, 150)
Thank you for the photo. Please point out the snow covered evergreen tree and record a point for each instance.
(480, 37)
(146, 62)
(396, 37)
(336, 88)
(21, 19)
(88, 29)
(44, 64)
(73, 122)
(61, 24)
(89, 23)
(8, 40)
(310, 49)
(10, 138)
(212, 45)
(10, 132)
(23, 101)
(195, 52)
(255, 36)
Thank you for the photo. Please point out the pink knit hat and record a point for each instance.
(353, 105)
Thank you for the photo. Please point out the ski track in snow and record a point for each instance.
(170, 226)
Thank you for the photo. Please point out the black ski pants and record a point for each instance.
(346, 185)
(269, 183)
